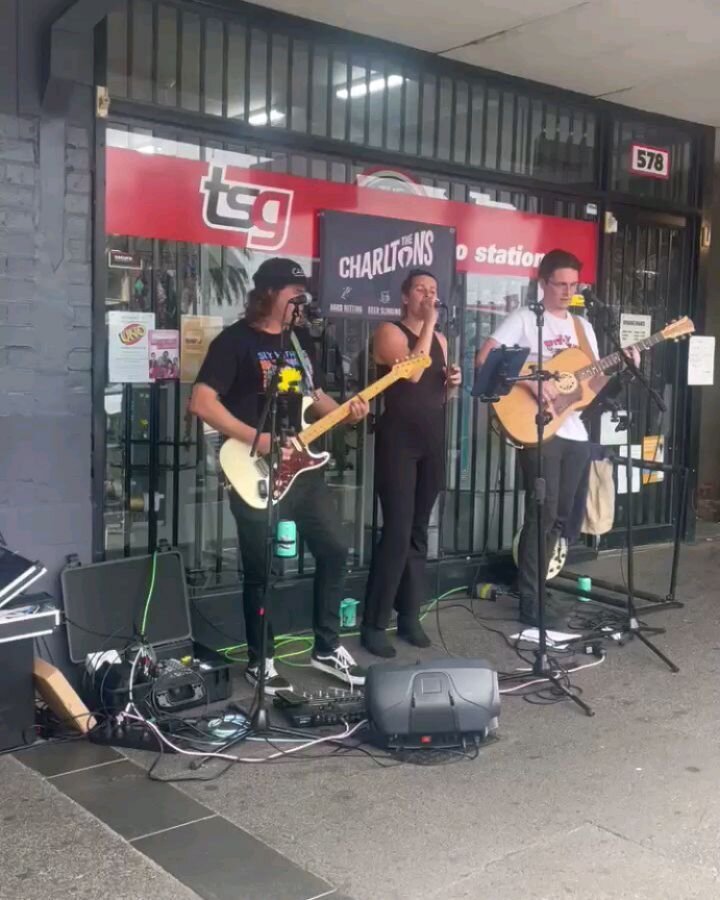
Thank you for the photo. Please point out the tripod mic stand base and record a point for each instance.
(260, 721)
(634, 630)
(542, 669)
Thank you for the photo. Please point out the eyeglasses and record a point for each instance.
(569, 286)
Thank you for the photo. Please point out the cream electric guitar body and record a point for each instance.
(250, 475)
(578, 379)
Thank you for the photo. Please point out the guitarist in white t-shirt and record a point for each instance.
(566, 456)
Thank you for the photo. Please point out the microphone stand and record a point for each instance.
(632, 628)
(260, 721)
(499, 382)
(542, 666)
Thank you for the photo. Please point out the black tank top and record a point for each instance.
(422, 402)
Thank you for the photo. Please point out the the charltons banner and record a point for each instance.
(176, 199)
(364, 260)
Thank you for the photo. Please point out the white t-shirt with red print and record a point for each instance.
(558, 334)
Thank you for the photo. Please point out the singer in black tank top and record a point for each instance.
(409, 467)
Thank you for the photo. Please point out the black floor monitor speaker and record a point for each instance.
(437, 704)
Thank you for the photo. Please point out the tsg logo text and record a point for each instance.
(261, 213)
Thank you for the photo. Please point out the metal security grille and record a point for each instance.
(647, 272)
(200, 61)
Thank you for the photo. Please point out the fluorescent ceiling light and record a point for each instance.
(360, 88)
(262, 118)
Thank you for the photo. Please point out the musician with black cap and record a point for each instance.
(228, 395)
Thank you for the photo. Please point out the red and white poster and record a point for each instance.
(164, 355)
(176, 199)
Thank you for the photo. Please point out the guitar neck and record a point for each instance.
(607, 363)
(317, 429)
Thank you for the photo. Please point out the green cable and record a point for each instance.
(284, 639)
(149, 597)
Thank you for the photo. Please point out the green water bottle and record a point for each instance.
(348, 612)
(286, 539)
(584, 584)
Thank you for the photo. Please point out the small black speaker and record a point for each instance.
(438, 704)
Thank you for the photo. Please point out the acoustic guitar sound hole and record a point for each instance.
(566, 383)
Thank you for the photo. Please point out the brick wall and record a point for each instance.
(45, 337)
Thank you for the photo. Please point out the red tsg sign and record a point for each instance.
(176, 199)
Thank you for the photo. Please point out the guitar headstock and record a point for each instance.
(406, 368)
(678, 329)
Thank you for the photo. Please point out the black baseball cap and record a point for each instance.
(278, 273)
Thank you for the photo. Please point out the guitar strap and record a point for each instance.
(582, 338)
(305, 363)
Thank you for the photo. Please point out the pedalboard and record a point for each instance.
(316, 709)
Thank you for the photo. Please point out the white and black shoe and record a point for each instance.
(340, 664)
(273, 681)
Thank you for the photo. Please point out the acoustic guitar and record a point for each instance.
(250, 475)
(578, 379)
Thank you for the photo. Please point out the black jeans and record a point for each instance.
(409, 474)
(310, 505)
(564, 464)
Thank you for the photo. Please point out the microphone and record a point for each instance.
(300, 300)
(313, 312)
(591, 299)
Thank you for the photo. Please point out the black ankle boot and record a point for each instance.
(375, 641)
(410, 630)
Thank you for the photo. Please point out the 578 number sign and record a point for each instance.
(652, 162)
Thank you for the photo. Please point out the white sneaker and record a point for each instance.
(273, 681)
(340, 664)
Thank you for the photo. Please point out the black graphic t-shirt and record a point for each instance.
(239, 365)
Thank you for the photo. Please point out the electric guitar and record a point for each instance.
(250, 475)
(578, 379)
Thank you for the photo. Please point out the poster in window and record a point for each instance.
(164, 355)
(128, 346)
(196, 335)
(365, 259)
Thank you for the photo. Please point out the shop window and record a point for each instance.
(373, 95)
(410, 120)
(319, 69)
(167, 56)
(237, 70)
(214, 58)
(299, 85)
(141, 83)
(428, 115)
(117, 50)
(258, 111)
(162, 477)
(190, 71)
(279, 100)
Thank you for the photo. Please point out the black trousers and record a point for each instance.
(409, 474)
(310, 505)
(564, 464)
